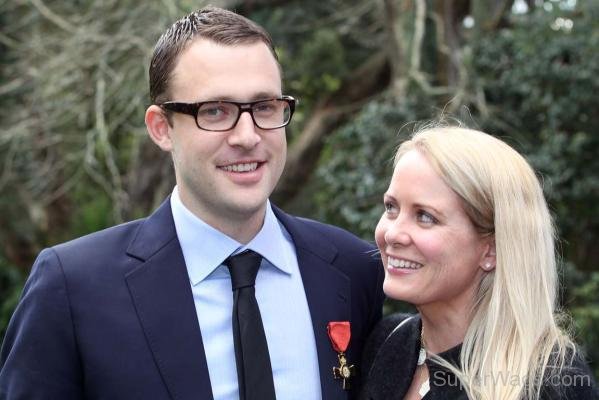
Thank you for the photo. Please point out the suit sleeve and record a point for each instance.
(39, 357)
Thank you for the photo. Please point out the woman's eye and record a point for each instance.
(426, 218)
(390, 208)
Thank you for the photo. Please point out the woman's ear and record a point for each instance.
(158, 127)
(489, 258)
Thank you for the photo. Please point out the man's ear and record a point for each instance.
(158, 127)
(489, 258)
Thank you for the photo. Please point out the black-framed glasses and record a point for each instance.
(221, 115)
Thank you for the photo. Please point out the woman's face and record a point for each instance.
(431, 251)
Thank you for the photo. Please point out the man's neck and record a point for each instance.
(242, 227)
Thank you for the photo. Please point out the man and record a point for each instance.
(144, 310)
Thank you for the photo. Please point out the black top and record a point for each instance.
(391, 353)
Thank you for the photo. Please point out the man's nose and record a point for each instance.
(245, 133)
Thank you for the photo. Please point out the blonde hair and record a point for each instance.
(513, 339)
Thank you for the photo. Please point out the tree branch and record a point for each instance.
(395, 48)
(52, 16)
(368, 80)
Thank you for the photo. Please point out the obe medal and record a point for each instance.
(340, 333)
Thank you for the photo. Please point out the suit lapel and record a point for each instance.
(328, 293)
(162, 296)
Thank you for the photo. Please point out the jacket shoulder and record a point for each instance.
(338, 236)
(115, 237)
(114, 234)
(97, 249)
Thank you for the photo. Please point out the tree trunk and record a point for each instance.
(303, 155)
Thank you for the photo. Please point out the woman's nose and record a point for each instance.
(397, 233)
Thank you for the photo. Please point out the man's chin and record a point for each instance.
(248, 209)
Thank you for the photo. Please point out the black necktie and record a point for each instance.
(254, 372)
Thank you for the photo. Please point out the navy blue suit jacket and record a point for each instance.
(111, 315)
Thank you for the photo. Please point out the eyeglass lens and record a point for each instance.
(222, 115)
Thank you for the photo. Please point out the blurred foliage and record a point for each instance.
(74, 129)
(542, 80)
(73, 91)
(583, 306)
(319, 43)
(541, 84)
(350, 190)
(11, 282)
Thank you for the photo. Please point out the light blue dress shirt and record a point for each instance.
(280, 295)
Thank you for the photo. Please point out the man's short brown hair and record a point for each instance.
(212, 23)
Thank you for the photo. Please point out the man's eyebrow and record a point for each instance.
(265, 95)
(255, 97)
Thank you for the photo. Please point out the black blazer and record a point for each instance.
(389, 363)
(111, 315)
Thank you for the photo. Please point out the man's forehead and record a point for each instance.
(240, 72)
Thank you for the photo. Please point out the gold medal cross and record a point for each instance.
(344, 371)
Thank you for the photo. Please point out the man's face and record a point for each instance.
(206, 163)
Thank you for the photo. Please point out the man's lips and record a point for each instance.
(244, 172)
(242, 166)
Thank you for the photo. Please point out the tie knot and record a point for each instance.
(243, 268)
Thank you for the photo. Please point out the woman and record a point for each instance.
(466, 237)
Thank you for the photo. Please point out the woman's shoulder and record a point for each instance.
(382, 331)
(387, 325)
(392, 346)
(391, 321)
(573, 380)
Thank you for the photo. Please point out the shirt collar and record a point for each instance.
(270, 240)
(205, 248)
